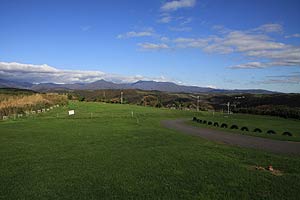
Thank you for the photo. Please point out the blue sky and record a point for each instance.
(219, 43)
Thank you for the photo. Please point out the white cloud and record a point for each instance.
(175, 5)
(221, 29)
(270, 28)
(165, 18)
(164, 39)
(26, 68)
(252, 44)
(153, 46)
(255, 44)
(239, 41)
(211, 86)
(180, 29)
(250, 65)
(47, 74)
(288, 56)
(133, 34)
(185, 20)
(191, 42)
(261, 65)
(85, 28)
(293, 78)
(296, 35)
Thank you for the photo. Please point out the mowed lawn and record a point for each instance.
(104, 153)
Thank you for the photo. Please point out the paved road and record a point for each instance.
(274, 146)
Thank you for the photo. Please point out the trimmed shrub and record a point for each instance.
(271, 132)
(216, 124)
(244, 128)
(209, 123)
(195, 119)
(204, 121)
(224, 125)
(287, 133)
(234, 127)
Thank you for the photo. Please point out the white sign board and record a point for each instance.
(71, 112)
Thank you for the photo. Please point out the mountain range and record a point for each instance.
(141, 85)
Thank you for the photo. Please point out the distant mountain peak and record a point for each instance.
(141, 85)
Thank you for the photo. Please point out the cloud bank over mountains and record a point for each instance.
(254, 44)
(47, 74)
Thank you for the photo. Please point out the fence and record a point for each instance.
(27, 113)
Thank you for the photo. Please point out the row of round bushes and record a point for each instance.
(244, 128)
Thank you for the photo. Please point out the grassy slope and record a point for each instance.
(265, 123)
(113, 157)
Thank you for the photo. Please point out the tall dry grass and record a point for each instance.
(19, 104)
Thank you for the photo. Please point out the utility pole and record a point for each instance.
(228, 108)
(121, 97)
(198, 101)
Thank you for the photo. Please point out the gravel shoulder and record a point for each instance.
(275, 146)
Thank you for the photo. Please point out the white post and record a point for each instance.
(228, 108)
(121, 97)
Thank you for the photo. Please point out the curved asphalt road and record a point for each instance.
(274, 146)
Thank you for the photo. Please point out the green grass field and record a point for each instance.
(111, 155)
(265, 123)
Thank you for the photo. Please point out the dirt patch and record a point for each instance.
(270, 169)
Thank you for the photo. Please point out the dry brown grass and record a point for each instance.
(21, 103)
